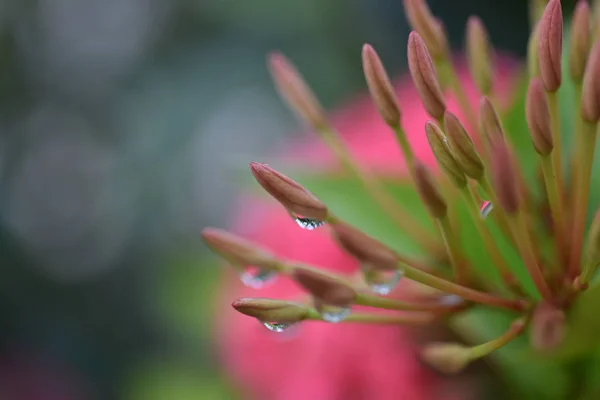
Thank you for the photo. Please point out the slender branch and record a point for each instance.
(549, 170)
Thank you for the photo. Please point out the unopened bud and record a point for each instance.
(293, 196)
(448, 358)
(235, 249)
(380, 87)
(294, 90)
(580, 40)
(538, 118)
(547, 327)
(424, 76)
(462, 147)
(550, 35)
(324, 288)
(421, 20)
(490, 123)
(269, 310)
(479, 55)
(429, 192)
(504, 178)
(442, 153)
(590, 96)
(364, 248)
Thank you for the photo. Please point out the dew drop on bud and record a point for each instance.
(278, 327)
(382, 282)
(486, 209)
(333, 314)
(307, 223)
(257, 277)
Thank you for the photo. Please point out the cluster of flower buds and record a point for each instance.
(480, 172)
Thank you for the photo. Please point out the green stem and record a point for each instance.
(490, 244)
(557, 140)
(549, 170)
(461, 96)
(385, 303)
(482, 350)
(586, 143)
(457, 260)
(461, 291)
(527, 251)
(383, 319)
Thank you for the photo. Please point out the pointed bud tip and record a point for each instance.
(479, 54)
(380, 87)
(590, 96)
(425, 77)
(270, 310)
(292, 195)
(429, 27)
(236, 249)
(550, 37)
(490, 122)
(294, 90)
(580, 40)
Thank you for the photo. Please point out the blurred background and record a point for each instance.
(123, 124)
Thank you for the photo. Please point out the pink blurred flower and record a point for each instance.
(329, 361)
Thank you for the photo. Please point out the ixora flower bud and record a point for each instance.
(235, 249)
(444, 156)
(547, 327)
(421, 20)
(479, 55)
(550, 45)
(424, 76)
(293, 196)
(490, 123)
(449, 358)
(538, 118)
(274, 311)
(580, 40)
(504, 178)
(380, 86)
(429, 192)
(324, 288)
(590, 96)
(462, 147)
(364, 248)
(295, 91)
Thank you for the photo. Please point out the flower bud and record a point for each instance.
(269, 310)
(462, 147)
(424, 76)
(538, 118)
(324, 288)
(364, 248)
(479, 55)
(550, 45)
(590, 96)
(442, 153)
(380, 87)
(429, 192)
(490, 123)
(580, 40)
(504, 178)
(295, 91)
(547, 327)
(235, 249)
(421, 20)
(289, 193)
(448, 358)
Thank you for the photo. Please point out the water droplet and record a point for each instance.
(486, 209)
(451, 300)
(278, 327)
(307, 223)
(333, 314)
(257, 277)
(382, 282)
